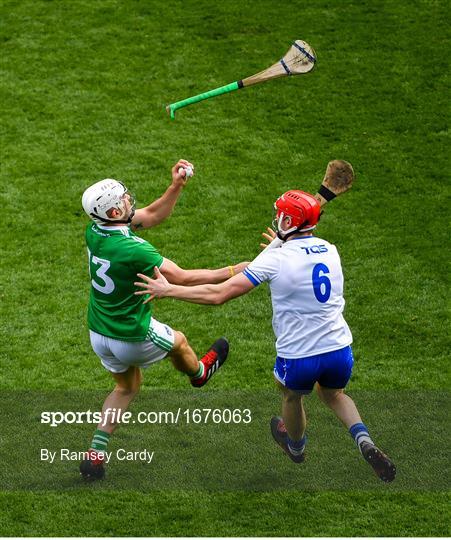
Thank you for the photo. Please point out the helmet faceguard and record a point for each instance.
(100, 198)
(303, 209)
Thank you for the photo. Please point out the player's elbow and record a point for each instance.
(149, 219)
(160, 216)
(218, 300)
(219, 296)
(180, 277)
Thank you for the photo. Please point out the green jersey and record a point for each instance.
(116, 255)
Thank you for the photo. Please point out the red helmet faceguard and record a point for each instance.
(303, 209)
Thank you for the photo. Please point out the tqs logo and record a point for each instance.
(315, 249)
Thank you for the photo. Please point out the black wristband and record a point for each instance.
(326, 193)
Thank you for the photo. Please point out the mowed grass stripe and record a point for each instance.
(199, 513)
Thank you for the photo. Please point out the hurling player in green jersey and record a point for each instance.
(123, 332)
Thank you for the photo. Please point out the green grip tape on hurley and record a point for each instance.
(211, 93)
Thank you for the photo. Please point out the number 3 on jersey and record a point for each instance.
(321, 283)
(107, 285)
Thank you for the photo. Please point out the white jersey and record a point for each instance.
(306, 283)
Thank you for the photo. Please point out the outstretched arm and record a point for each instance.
(159, 210)
(180, 276)
(199, 294)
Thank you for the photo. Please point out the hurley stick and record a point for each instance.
(299, 59)
(337, 180)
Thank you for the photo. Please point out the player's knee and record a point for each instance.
(180, 341)
(290, 396)
(328, 395)
(130, 386)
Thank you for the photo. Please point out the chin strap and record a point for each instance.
(115, 221)
(100, 220)
(290, 233)
(287, 233)
(293, 230)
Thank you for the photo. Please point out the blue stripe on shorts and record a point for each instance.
(332, 370)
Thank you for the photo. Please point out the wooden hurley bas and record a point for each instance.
(299, 59)
(337, 180)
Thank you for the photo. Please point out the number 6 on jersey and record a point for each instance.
(321, 283)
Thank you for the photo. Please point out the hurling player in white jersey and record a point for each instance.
(123, 332)
(313, 339)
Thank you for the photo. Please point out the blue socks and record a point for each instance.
(359, 432)
(297, 447)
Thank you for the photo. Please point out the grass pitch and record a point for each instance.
(83, 90)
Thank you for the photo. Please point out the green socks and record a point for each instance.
(200, 372)
(100, 440)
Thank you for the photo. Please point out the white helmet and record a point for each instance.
(103, 196)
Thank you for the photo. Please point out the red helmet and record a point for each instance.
(303, 209)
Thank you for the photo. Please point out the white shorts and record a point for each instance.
(117, 356)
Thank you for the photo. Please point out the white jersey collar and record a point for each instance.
(124, 229)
